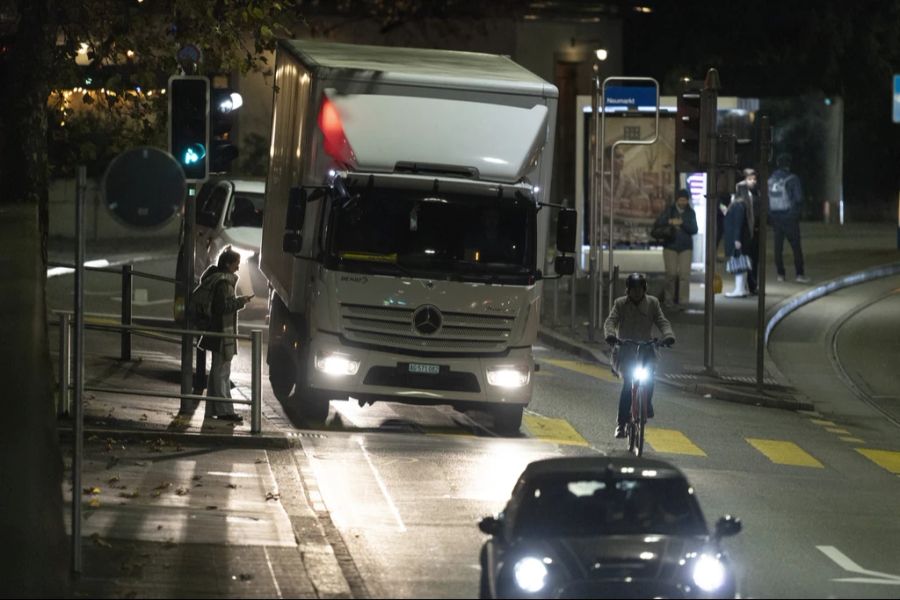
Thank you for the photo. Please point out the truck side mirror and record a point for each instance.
(564, 265)
(292, 242)
(566, 226)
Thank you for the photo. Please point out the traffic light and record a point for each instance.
(687, 132)
(189, 125)
(225, 102)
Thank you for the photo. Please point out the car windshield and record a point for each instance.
(566, 506)
(421, 233)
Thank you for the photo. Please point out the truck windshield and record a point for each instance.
(428, 234)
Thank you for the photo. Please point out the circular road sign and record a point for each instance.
(144, 187)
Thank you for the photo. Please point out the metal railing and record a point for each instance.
(65, 365)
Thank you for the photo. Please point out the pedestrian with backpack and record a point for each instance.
(785, 204)
(214, 308)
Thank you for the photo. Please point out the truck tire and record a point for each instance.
(508, 419)
(281, 372)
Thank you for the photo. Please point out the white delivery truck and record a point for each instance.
(404, 234)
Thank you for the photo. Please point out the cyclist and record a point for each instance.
(632, 317)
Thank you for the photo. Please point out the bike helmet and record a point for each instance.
(636, 280)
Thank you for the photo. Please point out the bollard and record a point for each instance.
(65, 365)
(127, 282)
(256, 381)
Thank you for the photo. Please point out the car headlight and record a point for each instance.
(641, 373)
(337, 364)
(508, 377)
(709, 573)
(531, 574)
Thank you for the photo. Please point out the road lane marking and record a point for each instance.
(846, 563)
(548, 429)
(883, 458)
(853, 440)
(382, 487)
(837, 430)
(272, 573)
(825, 423)
(584, 368)
(672, 441)
(785, 453)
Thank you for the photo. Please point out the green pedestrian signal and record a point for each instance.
(189, 125)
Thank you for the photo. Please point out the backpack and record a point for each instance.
(779, 201)
(200, 306)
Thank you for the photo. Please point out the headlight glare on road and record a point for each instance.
(641, 374)
(531, 574)
(709, 573)
(337, 364)
(508, 377)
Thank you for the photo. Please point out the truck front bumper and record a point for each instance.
(345, 372)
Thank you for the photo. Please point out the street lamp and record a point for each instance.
(601, 54)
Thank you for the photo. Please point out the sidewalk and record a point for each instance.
(830, 252)
(175, 507)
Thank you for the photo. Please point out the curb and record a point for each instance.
(562, 342)
(260, 442)
(791, 304)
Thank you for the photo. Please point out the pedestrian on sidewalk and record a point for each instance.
(632, 317)
(747, 189)
(681, 220)
(785, 205)
(221, 279)
(739, 221)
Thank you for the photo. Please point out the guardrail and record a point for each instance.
(65, 365)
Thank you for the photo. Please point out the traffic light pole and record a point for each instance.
(708, 158)
(187, 257)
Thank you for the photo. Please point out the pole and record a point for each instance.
(597, 286)
(765, 146)
(65, 365)
(127, 282)
(592, 202)
(187, 257)
(78, 412)
(256, 381)
(708, 158)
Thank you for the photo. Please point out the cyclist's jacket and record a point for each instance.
(630, 321)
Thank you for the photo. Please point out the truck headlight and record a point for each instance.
(531, 574)
(709, 573)
(508, 377)
(641, 374)
(337, 364)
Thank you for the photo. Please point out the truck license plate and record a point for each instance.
(424, 369)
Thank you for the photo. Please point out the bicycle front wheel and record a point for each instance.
(638, 420)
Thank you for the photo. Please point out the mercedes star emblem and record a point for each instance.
(427, 319)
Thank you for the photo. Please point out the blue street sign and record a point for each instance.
(896, 98)
(630, 96)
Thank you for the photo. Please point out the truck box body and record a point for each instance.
(402, 122)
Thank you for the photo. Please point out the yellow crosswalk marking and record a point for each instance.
(837, 430)
(584, 368)
(883, 458)
(853, 440)
(549, 429)
(785, 453)
(826, 423)
(672, 441)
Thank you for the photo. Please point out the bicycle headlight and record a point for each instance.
(531, 574)
(641, 374)
(709, 573)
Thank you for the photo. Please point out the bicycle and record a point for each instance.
(641, 374)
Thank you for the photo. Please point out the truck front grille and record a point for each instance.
(392, 327)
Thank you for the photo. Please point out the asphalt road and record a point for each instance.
(817, 493)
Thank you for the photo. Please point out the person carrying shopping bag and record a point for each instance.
(739, 222)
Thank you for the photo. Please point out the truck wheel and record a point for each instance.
(281, 373)
(314, 405)
(508, 419)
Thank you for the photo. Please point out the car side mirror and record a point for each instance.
(566, 226)
(491, 526)
(728, 526)
(564, 265)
